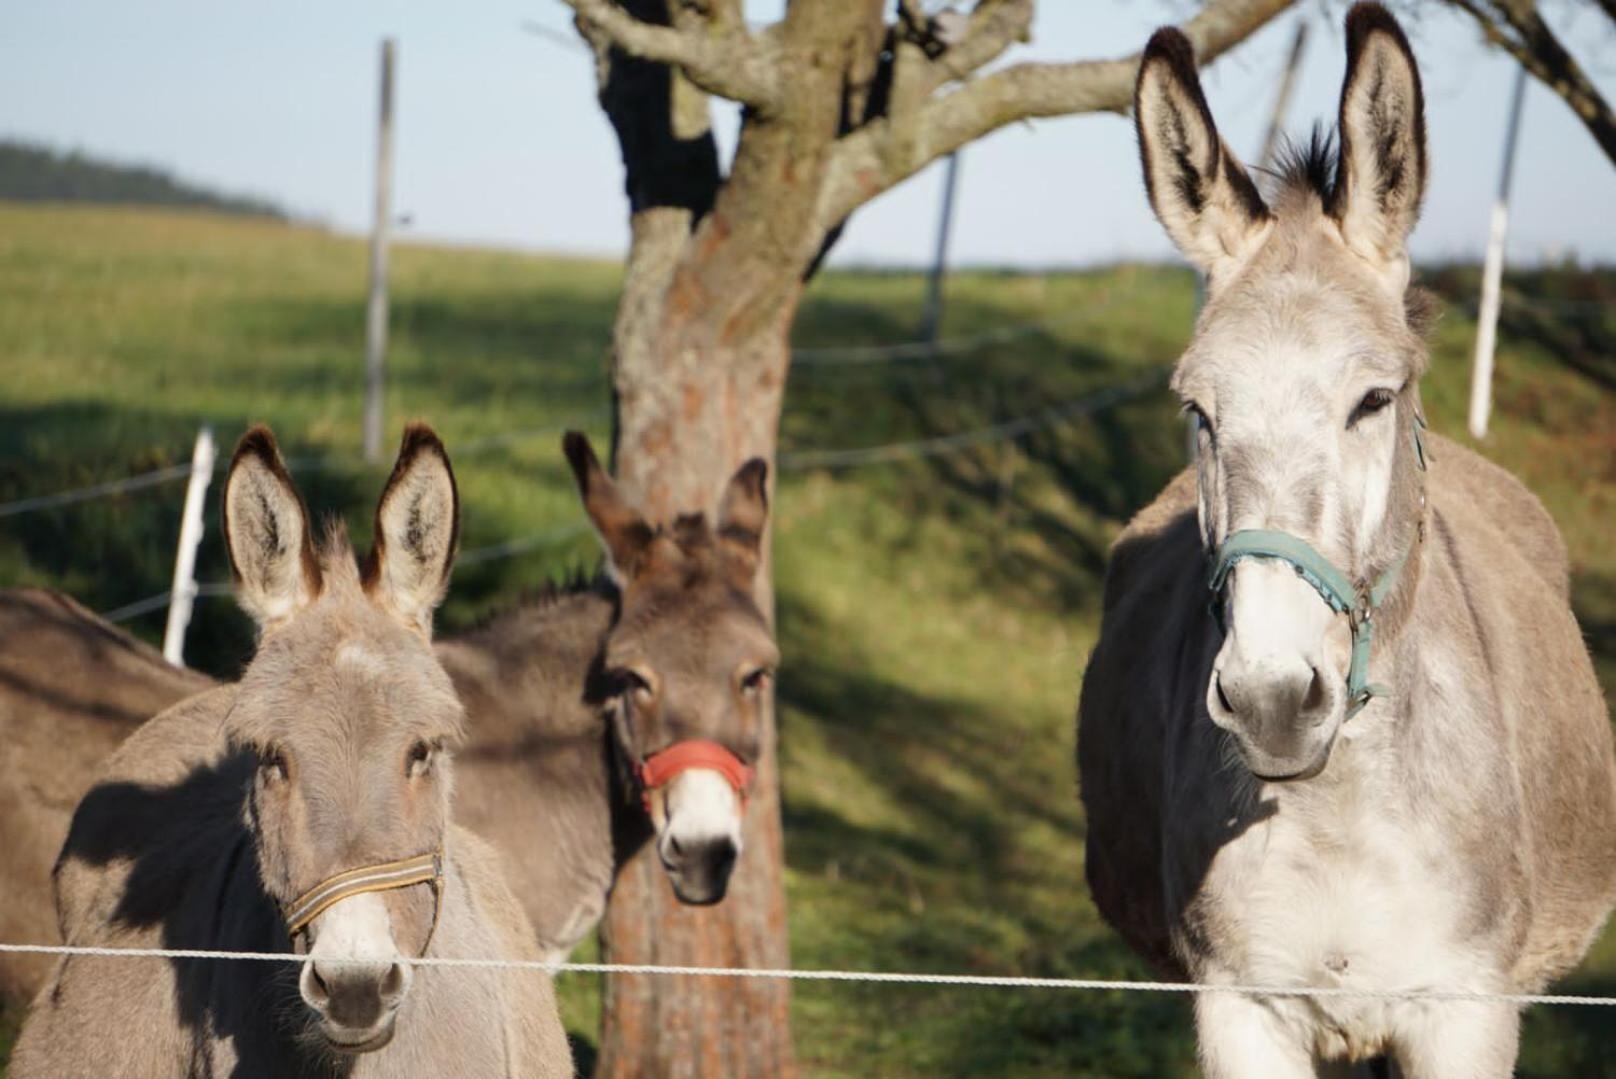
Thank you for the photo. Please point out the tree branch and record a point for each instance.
(887, 151)
(715, 52)
(1534, 46)
(993, 26)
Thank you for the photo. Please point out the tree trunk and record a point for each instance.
(701, 352)
(688, 416)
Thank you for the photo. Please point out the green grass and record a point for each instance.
(934, 615)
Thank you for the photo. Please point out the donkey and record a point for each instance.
(624, 710)
(1378, 758)
(602, 715)
(305, 807)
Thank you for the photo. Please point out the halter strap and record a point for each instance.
(659, 769)
(381, 877)
(1358, 602)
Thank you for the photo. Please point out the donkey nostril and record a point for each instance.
(317, 987)
(393, 982)
(1314, 700)
(675, 847)
(1223, 698)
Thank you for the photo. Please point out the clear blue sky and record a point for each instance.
(500, 141)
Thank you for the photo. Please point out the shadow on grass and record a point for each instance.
(1040, 502)
(1567, 1041)
(112, 551)
(958, 772)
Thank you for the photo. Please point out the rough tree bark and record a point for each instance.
(840, 105)
(1518, 28)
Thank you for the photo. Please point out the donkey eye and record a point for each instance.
(636, 685)
(754, 682)
(272, 765)
(1198, 414)
(418, 760)
(1373, 401)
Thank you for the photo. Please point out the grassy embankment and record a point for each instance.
(934, 615)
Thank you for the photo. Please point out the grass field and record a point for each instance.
(934, 615)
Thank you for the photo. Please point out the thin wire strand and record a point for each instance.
(1043, 419)
(138, 482)
(985, 981)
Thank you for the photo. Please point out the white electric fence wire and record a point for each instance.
(985, 981)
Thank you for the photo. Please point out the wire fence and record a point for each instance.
(978, 981)
(1021, 426)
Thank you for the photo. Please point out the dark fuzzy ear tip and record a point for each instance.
(1367, 18)
(1169, 45)
(259, 441)
(420, 438)
(580, 454)
(755, 473)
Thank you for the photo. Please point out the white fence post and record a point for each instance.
(1492, 275)
(183, 591)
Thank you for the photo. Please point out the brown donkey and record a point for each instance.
(1381, 761)
(622, 711)
(573, 700)
(305, 807)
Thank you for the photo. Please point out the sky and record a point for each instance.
(500, 141)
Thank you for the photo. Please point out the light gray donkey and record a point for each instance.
(1340, 729)
(306, 806)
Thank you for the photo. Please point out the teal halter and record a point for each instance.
(1357, 601)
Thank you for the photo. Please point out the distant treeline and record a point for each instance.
(34, 172)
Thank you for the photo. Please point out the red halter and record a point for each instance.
(658, 769)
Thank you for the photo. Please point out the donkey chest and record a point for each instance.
(1349, 903)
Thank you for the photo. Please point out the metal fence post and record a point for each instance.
(183, 592)
(376, 308)
(1492, 276)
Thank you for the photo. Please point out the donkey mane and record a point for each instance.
(1307, 169)
(541, 598)
(339, 565)
(1307, 165)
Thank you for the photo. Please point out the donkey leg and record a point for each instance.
(1238, 1037)
(1469, 1040)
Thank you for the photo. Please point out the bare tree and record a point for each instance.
(1518, 27)
(842, 100)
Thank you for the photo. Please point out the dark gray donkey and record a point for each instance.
(306, 806)
(1380, 761)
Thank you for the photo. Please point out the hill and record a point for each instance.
(33, 173)
(935, 612)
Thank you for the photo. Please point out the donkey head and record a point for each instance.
(351, 716)
(1302, 376)
(687, 664)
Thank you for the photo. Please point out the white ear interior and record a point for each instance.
(267, 534)
(1191, 175)
(416, 528)
(1382, 151)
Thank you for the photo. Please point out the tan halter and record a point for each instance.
(382, 877)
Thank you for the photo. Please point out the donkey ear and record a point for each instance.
(266, 531)
(1198, 188)
(744, 509)
(417, 528)
(623, 532)
(1382, 176)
